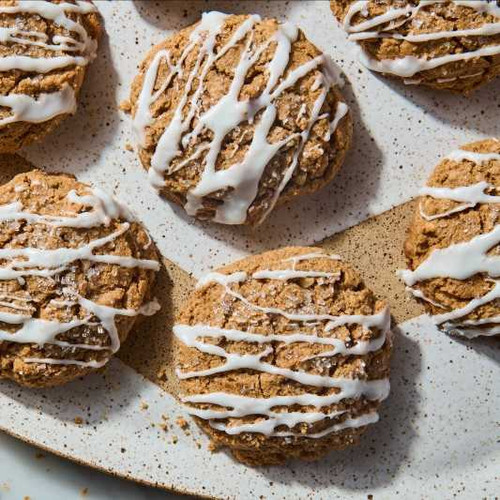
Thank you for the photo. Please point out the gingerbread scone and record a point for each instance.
(75, 272)
(45, 48)
(451, 44)
(452, 246)
(283, 355)
(237, 114)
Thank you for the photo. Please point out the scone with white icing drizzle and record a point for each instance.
(283, 355)
(452, 246)
(45, 48)
(75, 273)
(450, 44)
(237, 114)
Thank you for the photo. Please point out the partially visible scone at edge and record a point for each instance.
(235, 115)
(45, 49)
(75, 272)
(452, 245)
(442, 44)
(283, 355)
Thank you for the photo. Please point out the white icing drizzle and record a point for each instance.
(83, 48)
(55, 12)
(466, 329)
(474, 157)
(25, 108)
(460, 260)
(287, 274)
(463, 260)
(243, 406)
(421, 295)
(21, 262)
(269, 420)
(242, 178)
(470, 195)
(409, 66)
(310, 256)
(493, 294)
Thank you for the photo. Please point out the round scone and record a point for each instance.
(452, 245)
(75, 272)
(445, 44)
(237, 114)
(283, 355)
(45, 47)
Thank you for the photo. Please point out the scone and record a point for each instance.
(452, 246)
(447, 44)
(45, 47)
(235, 115)
(283, 355)
(75, 272)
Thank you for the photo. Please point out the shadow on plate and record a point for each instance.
(486, 346)
(477, 112)
(148, 349)
(92, 128)
(177, 14)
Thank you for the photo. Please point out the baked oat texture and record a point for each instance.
(44, 298)
(462, 76)
(425, 236)
(19, 133)
(347, 295)
(318, 161)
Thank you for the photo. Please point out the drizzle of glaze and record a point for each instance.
(22, 262)
(36, 109)
(241, 179)
(470, 195)
(462, 260)
(268, 419)
(393, 18)
(25, 108)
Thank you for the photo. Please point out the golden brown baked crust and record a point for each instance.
(461, 76)
(321, 157)
(425, 236)
(15, 135)
(52, 298)
(346, 295)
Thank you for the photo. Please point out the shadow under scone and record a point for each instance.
(12, 165)
(148, 350)
(374, 248)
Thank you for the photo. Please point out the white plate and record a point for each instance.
(437, 434)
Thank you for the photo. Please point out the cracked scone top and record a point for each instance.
(451, 44)
(452, 244)
(75, 272)
(45, 47)
(237, 114)
(283, 355)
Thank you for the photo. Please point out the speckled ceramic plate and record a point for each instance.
(437, 435)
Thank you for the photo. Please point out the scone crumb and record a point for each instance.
(78, 420)
(84, 492)
(144, 406)
(182, 423)
(125, 106)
